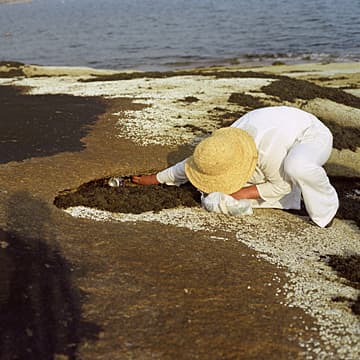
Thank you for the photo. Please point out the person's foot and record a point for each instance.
(326, 226)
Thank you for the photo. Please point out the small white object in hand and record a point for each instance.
(225, 204)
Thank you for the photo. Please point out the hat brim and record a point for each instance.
(233, 179)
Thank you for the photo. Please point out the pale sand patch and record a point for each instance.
(55, 71)
(342, 162)
(313, 69)
(284, 240)
(33, 70)
(330, 110)
(355, 92)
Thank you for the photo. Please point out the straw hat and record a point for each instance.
(222, 162)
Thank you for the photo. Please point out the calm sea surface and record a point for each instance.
(168, 34)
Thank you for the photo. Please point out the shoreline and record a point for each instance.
(193, 63)
(308, 66)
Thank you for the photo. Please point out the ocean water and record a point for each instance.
(168, 34)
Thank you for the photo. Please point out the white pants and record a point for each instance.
(303, 165)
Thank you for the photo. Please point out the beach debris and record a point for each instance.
(116, 181)
(354, 194)
(4, 244)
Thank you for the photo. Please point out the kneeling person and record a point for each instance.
(271, 156)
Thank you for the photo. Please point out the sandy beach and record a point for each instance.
(92, 272)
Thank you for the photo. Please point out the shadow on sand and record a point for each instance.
(40, 309)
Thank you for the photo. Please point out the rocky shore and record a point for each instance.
(92, 280)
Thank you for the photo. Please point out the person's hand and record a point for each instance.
(145, 179)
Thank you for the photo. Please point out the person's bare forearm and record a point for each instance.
(145, 179)
(249, 192)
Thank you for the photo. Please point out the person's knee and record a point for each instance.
(296, 167)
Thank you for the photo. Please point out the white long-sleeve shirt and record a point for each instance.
(275, 130)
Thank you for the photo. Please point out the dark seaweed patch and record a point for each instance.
(248, 101)
(347, 267)
(349, 199)
(344, 137)
(190, 99)
(291, 89)
(165, 74)
(13, 69)
(129, 198)
(228, 118)
(193, 128)
(349, 208)
(43, 125)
